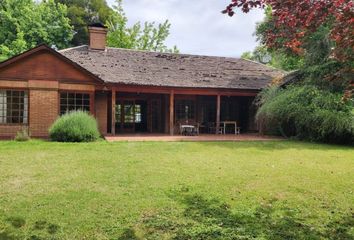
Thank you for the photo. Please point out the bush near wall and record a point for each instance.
(74, 126)
(307, 112)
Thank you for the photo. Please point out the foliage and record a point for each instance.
(27, 23)
(83, 13)
(146, 37)
(295, 20)
(75, 126)
(307, 112)
(23, 135)
(270, 190)
(319, 106)
(278, 59)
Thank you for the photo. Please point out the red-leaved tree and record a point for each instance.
(297, 19)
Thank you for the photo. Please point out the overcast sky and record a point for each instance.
(198, 27)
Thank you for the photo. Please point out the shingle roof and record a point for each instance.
(172, 70)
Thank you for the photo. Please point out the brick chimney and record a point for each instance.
(98, 34)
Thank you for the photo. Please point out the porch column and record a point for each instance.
(113, 112)
(92, 104)
(218, 100)
(172, 111)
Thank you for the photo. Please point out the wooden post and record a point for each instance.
(172, 111)
(113, 112)
(92, 104)
(218, 100)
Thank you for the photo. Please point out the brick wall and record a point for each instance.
(43, 111)
(101, 111)
(9, 131)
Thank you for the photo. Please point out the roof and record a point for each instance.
(291, 78)
(172, 70)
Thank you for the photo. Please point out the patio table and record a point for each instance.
(234, 123)
(187, 129)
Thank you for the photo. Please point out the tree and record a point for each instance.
(142, 37)
(315, 37)
(83, 13)
(279, 57)
(296, 20)
(26, 23)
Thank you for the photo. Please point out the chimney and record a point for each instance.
(98, 33)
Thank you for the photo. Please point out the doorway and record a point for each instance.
(131, 116)
(141, 114)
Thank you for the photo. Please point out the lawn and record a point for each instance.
(154, 190)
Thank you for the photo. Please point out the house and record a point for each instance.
(128, 91)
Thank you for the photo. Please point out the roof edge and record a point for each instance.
(72, 48)
(277, 69)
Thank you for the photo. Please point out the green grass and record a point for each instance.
(152, 190)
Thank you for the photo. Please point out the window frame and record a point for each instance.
(90, 99)
(26, 92)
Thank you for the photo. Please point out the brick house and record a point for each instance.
(128, 91)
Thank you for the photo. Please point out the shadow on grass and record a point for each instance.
(212, 219)
(38, 231)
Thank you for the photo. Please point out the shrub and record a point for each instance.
(75, 126)
(22, 135)
(308, 112)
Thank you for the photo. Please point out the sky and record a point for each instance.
(198, 26)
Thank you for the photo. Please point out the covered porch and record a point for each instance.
(160, 111)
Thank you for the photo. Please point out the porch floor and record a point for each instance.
(200, 138)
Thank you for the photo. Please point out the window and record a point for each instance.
(118, 113)
(13, 106)
(185, 109)
(132, 112)
(74, 101)
(137, 113)
(129, 113)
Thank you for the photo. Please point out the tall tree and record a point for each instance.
(26, 23)
(143, 37)
(316, 101)
(84, 12)
(296, 20)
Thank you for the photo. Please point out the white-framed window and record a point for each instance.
(71, 101)
(13, 107)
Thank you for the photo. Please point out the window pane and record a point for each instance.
(118, 113)
(78, 100)
(71, 101)
(64, 101)
(74, 101)
(138, 113)
(129, 113)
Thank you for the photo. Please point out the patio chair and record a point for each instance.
(214, 130)
(196, 128)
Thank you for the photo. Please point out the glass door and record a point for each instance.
(129, 116)
(155, 116)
